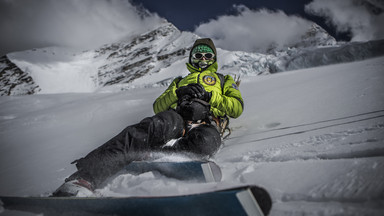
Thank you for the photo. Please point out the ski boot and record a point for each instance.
(74, 188)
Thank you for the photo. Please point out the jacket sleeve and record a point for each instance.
(230, 102)
(167, 99)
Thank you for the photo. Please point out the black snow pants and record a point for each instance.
(135, 141)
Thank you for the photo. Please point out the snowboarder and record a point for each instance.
(189, 110)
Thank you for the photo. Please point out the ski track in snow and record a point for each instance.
(323, 156)
(357, 188)
(325, 146)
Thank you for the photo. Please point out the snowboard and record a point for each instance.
(245, 200)
(201, 171)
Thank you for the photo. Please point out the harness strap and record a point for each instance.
(223, 126)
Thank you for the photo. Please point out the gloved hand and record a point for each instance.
(194, 110)
(194, 90)
(206, 96)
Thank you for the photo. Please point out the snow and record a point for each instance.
(58, 70)
(314, 138)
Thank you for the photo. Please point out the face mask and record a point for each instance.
(202, 62)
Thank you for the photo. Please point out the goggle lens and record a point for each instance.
(205, 55)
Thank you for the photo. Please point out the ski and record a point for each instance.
(245, 200)
(201, 171)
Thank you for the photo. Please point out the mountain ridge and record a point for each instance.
(14, 81)
(154, 58)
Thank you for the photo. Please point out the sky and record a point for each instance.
(88, 24)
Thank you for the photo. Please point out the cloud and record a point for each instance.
(28, 24)
(364, 19)
(254, 31)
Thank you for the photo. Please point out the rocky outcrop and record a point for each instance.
(144, 54)
(14, 81)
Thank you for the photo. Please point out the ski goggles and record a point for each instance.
(205, 55)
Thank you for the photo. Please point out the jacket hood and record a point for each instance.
(205, 41)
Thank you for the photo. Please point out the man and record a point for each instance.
(190, 110)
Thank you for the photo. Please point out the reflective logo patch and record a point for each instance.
(235, 86)
(209, 80)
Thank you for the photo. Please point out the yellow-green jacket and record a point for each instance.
(226, 101)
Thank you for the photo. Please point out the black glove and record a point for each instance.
(194, 90)
(194, 109)
(206, 96)
(202, 94)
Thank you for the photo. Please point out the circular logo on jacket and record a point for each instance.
(209, 80)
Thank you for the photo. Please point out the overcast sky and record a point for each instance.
(235, 25)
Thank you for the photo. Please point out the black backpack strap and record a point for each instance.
(222, 81)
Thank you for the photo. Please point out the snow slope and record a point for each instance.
(58, 70)
(314, 138)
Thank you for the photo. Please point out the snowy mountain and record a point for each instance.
(155, 58)
(315, 36)
(348, 52)
(117, 63)
(143, 55)
(14, 81)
